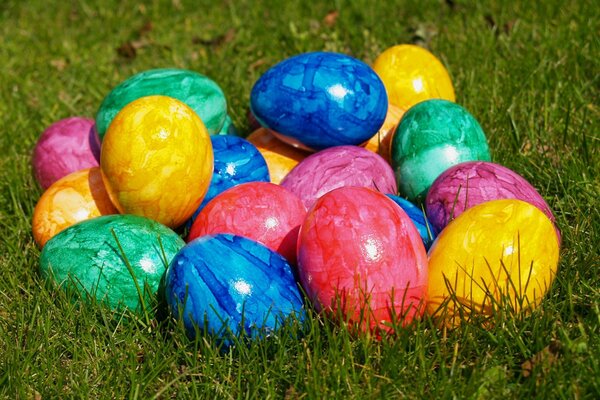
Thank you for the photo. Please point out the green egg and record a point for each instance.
(431, 137)
(91, 258)
(199, 92)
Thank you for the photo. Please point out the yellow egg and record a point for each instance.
(412, 74)
(380, 143)
(498, 255)
(281, 157)
(76, 197)
(157, 160)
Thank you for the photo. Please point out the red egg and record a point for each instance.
(261, 211)
(361, 258)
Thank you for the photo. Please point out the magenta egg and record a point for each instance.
(336, 167)
(66, 146)
(262, 211)
(470, 183)
(361, 258)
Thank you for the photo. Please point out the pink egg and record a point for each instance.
(67, 146)
(262, 211)
(474, 182)
(361, 258)
(336, 167)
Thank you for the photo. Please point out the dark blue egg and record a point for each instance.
(417, 216)
(232, 285)
(320, 100)
(236, 161)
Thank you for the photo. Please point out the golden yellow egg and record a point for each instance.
(412, 74)
(498, 255)
(380, 143)
(157, 160)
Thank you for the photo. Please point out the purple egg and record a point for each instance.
(339, 166)
(474, 182)
(68, 145)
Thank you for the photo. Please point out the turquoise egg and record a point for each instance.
(91, 257)
(199, 92)
(433, 136)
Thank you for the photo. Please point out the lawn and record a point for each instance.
(528, 71)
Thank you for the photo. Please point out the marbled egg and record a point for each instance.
(78, 196)
(197, 91)
(157, 160)
(361, 258)
(236, 161)
(380, 142)
(68, 145)
(433, 136)
(412, 74)
(418, 218)
(320, 100)
(496, 255)
(261, 211)
(90, 257)
(339, 166)
(281, 157)
(470, 183)
(232, 285)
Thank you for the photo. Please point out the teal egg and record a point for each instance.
(199, 92)
(433, 136)
(87, 257)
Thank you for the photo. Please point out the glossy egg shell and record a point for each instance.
(78, 196)
(380, 143)
(502, 253)
(470, 183)
(412, 74)
(236, 161)
(360, 257)
(417, 216)
(197, 91)
(157, 160)
(339, 166)
(233, 285)
(261, 211)
(66, 146)
(321, 100)
(88, 258)
(433, 136)
(281, 157)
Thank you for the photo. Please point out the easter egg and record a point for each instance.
(418, 218)
(231, 285)
(197, 91)
(261, 211)
(116, 260)
(339, 166)
(67, 146)
(76, 197)
(470, 183)
(236, 161)
(281, 157)
(502, 253)
(433, 136)
(320, 100)
(412, 74)
(157, 160)
(361, 258)
(380, 143)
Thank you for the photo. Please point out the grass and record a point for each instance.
(528, 71)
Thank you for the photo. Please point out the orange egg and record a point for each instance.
(76, 197)
(381, 141)
(281, 158)
(157, 160)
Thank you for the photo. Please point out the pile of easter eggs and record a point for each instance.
(365, 193)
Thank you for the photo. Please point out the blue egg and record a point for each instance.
(232, 285)
(418, 218)
(320, 100)
(236, 161)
